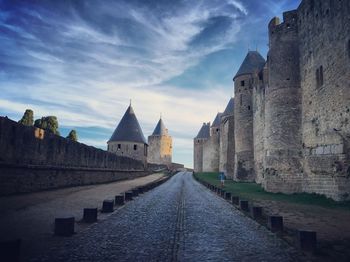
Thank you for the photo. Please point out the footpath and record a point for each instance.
(30, 217)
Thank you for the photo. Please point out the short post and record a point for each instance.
(128, 195)
(223, 192)
(256, 212)
(235, 200)
(90, 215)
(141, 190)
(64, 226)
(275, 223)
(107, 206)
(307, 240)
(119, 200)
(243, 205)
(227, 195)
(10, 250)
(135, 192)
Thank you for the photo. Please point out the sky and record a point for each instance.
(83, 61)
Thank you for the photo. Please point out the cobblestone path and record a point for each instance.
(178, 221)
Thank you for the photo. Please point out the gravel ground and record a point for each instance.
(178, 221)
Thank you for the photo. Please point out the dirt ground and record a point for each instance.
(331, 225)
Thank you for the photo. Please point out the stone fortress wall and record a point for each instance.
(292, 118)
(32, 159)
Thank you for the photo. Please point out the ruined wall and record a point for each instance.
(29, 149)
(227, 140)
(324, 34)
(211, 150)
(243, 115)
(159, 149)
(283, 170)
(259, 125)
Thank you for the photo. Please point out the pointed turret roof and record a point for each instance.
(204, 132)
(217, 120)
(253, 62)
(229, 108)
(160, 129)
(128, 129)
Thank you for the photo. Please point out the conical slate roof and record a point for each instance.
(217, 120)
(128, 129)
(253, 62)
(160, 129)
(229, 108)
(204, 132)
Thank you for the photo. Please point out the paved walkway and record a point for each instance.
(31, 216)
(178, 221)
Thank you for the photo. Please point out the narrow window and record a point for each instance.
(241, 99)
(248, 107)
(119, 146)
(317, 78)
(321, 75)
(242, 83)
(135, 147)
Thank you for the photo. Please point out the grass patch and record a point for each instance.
(253, 191)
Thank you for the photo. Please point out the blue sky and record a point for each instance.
(82, 61)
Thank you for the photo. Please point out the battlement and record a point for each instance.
(289, 24)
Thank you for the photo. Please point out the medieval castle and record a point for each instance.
(288, 126)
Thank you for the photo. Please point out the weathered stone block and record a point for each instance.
(135, 192)
(243, 205)
(275, 223)
(90, 215)
(128, 195)
(256, 212)
(64, 226)
(107, 206)
(307, 240)
(319, 150)
(235, 200)
(119, 200)
(10, 250)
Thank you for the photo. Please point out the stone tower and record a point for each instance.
(127, 139)
(160, 145)
(211, 147)
(283, 107)
(243, 115)
(198, 142)
(227, 140)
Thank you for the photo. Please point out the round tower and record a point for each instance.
(160, 145)
(198, 143)
(243, 116)
(283, 107)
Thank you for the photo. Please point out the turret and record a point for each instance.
(198, 142)
(283, 107)
(243, 115)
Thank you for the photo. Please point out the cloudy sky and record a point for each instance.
(82, 61)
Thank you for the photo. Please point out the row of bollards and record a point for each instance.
(306, 240)
(65, 226)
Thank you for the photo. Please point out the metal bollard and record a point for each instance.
(275, 223)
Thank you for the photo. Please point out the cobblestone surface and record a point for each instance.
(30, 217)
(177, 221)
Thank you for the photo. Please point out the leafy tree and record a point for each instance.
(73, 135)
(48, 123)
(27, 118)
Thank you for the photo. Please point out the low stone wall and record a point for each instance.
(33, 160)
(24, 179)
